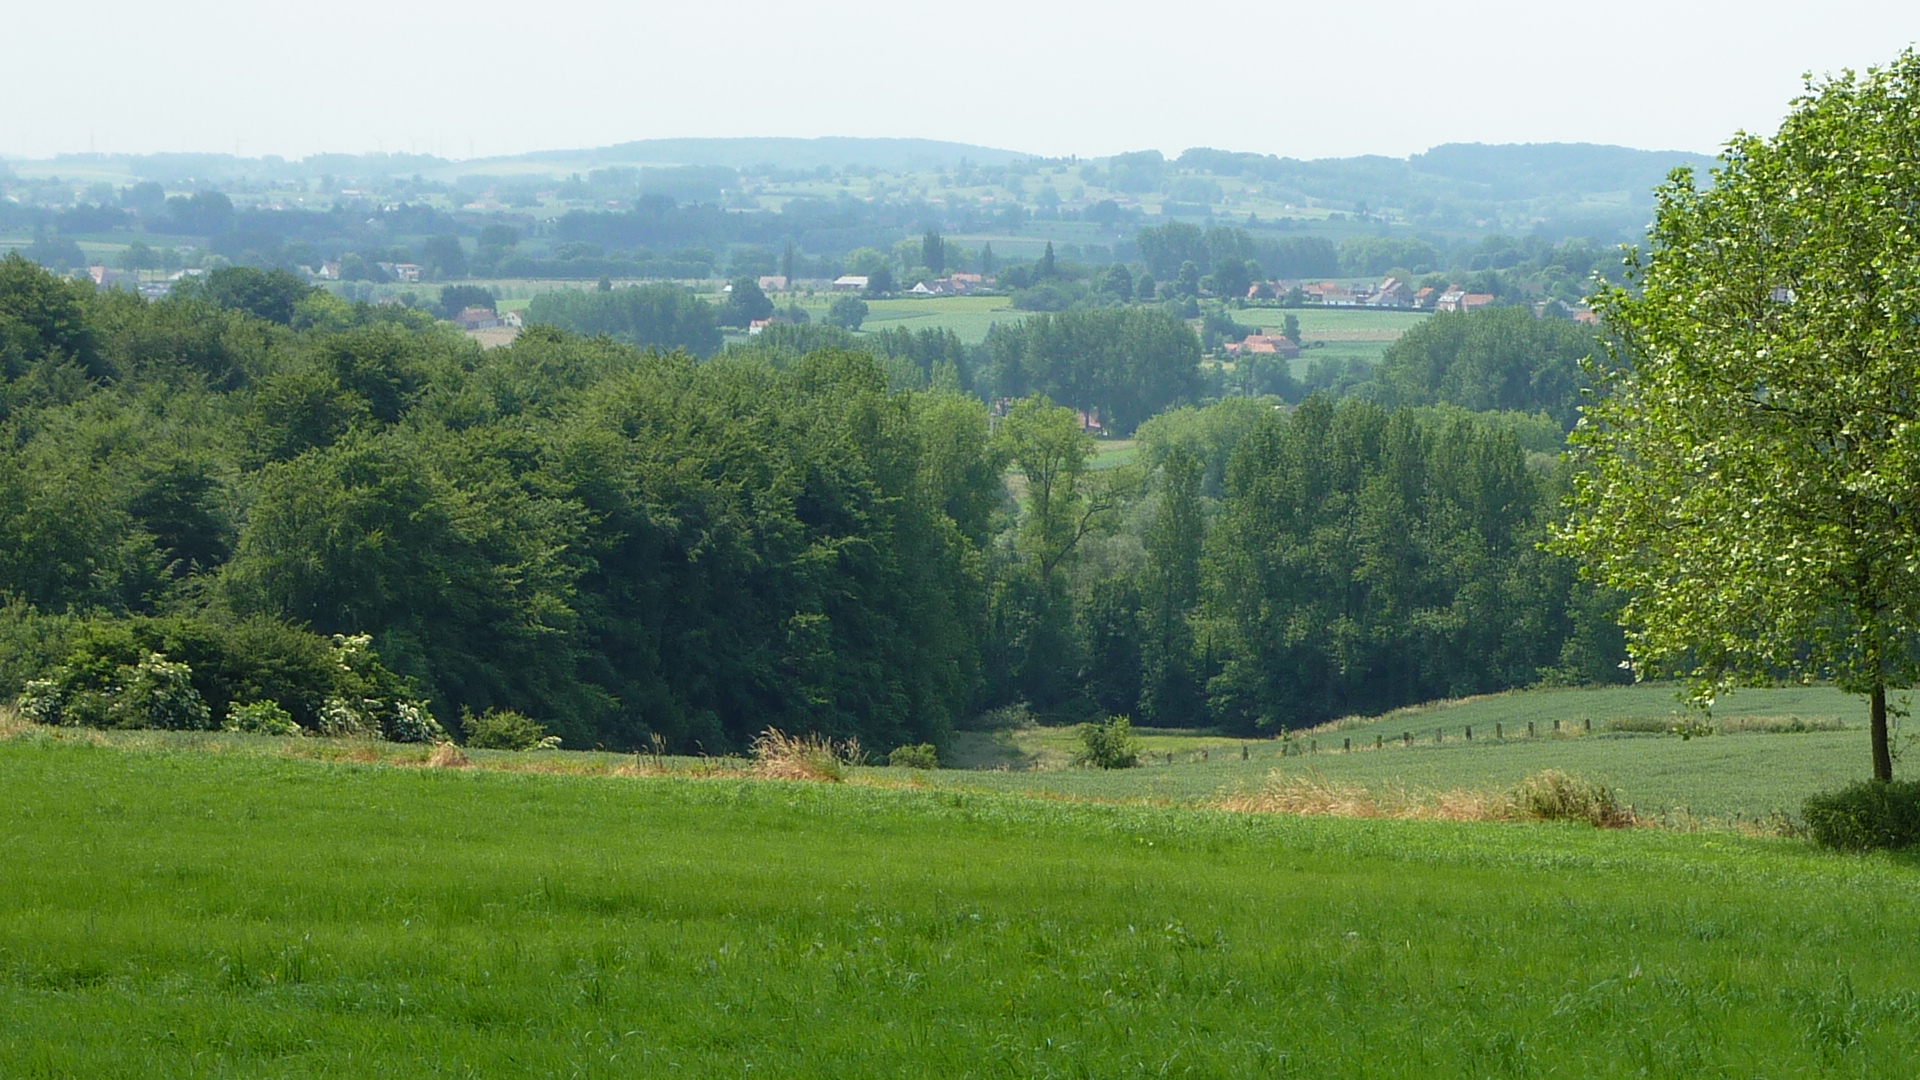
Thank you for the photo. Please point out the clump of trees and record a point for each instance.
(626, 545)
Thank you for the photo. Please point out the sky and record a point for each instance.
(481, 78)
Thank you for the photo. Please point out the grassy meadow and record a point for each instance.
(167, 910)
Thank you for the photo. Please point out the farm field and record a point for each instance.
(1760, 769)
(184, 913)
(970, 317)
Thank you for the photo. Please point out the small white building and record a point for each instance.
(851, 282)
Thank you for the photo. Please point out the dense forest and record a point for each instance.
(257, 492)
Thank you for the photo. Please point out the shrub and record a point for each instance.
(41, 702)
(1865, 816)
(1555, 796)
(1108, 745)
(261, 718)
(410, 722)
(343, 719)
(504, 729)
(159, 693)
(922, 756)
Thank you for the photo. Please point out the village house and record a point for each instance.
(850, 282)
(476, 318)
(756, 326)
(1263, 344)
(773, 283)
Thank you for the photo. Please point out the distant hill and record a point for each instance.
(1532, 170)
(892, 155)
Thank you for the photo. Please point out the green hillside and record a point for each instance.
(192, 914)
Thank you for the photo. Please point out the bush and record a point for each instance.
(410, 722)
(159, 693)
(914, 757)
(261, 718)
(1555, 796)
(504, 729)
(1865, 816)
(1108, 745)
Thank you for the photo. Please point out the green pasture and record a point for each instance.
(175, 913)
(1755, 764)
(970, 317)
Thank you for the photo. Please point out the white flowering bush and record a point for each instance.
(159, 693)
(42, 702)
(341, 718)
(410, 722)
(261, 718)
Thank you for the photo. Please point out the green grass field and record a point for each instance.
(1748, 774)
(174, 913)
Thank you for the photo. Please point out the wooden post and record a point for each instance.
(1348, 748)
(1589, 725)
(1243, 751)
(1437, 736)
(1556, 727)
(1499, 731)
(1469, 732)
(1313, 747)
(1407, 737)
(1529, 729)
(1379, 742)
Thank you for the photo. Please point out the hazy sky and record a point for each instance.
(478, 78)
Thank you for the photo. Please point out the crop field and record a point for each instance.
(180, 912)
(1768, 750)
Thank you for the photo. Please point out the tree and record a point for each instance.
(847, 312)
(1170, 695)
(269, 294)
(746, 303)
(986, 258)
(444, 257)
(1749, 475)
(933, 252)
(455, 299)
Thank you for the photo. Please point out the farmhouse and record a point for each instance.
(773, 283)
(850, 282)
(1263, 344)
(476, 318)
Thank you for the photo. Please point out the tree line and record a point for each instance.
(629, 543)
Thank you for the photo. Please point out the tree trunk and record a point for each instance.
(1882, 752)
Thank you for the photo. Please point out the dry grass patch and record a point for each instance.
(780, 756)
(447, 756)
(1545, 796)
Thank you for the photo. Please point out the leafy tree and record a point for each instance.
(933, 252)
(1492, 359)
(1749, 467)
(455, 299)
(662, 316)
(43, 318)
(499, 237)
(443, 257)
(1171, 694)
(847, 312)
(269, 294)
(746, 303)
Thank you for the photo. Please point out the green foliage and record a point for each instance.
(1108, 744)
(745, 303)
(504, 729)
(1491, 359)
(261, 718)
(1747, 469)
(455, 299)
(272, 295)
(657, 316)
(922, 756)
(847, 312)
(1126, 364)
(1366, 559)
(1867, 815)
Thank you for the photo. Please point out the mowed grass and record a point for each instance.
(195, 914)
(1752, 773)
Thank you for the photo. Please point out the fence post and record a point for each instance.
(1589, 725)
(1438, 735)
(1313, 747)
(1348, 748)
(1529, 729)
(1469, 733)
(1243, 751)
(1379, 742)
(1499, 731)
(1407, 737)
(1556, 727)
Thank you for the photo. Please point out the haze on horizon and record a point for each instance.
(483, 78)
